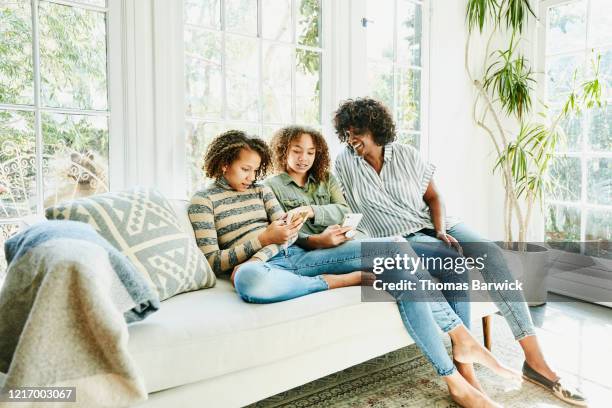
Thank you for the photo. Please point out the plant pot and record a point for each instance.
(531, 267)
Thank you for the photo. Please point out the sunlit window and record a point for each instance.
(580, 206)
(249, 65)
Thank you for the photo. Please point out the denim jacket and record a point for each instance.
(325, 198)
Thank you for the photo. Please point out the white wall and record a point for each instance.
(462, 153)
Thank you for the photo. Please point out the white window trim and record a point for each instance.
(114, 26)
(356, 10)
(573, 283)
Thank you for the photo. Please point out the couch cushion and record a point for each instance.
(204, 334)
(142, 224)
(180, 207)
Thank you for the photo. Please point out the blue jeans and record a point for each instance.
(297, 273)
(511, 304)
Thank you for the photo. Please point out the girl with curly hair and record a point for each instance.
(304, 183)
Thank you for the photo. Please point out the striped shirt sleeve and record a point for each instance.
(344, 178)
(274, 211)
(203, 222)
(422, 171)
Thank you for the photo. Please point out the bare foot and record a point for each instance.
(468, 372)
(340, 281)
(465, 395)
(467, 350)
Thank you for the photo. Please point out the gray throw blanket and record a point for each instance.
(63, 311)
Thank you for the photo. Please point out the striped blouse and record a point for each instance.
(227, 222)
(392, 201)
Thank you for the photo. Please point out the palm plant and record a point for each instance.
(504, 88)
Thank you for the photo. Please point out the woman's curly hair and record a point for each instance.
(283, 137)
(365, 114)
(225, 148)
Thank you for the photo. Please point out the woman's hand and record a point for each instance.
(332, 236)
(304, 208)
(238, 266)
(279, 233)
(450, 240)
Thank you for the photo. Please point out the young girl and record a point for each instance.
(239, 227)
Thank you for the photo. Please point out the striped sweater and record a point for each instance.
(227, 222)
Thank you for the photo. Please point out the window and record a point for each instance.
(54, 110)
(580, 207)
(393, 36)
(251, 65)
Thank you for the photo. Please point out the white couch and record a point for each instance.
(209, 348)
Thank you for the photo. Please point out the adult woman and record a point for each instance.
(303, 183)
(393, 186)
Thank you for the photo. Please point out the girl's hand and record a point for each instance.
(333, 236)
(279, 233)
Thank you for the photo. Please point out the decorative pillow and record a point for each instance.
(143, 226)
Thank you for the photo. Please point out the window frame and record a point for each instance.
(260, 123)
(584, 154)
(358, 69)
(114, 114)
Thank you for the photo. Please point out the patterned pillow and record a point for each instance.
(143, 226)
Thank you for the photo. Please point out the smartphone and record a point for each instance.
(352, 220)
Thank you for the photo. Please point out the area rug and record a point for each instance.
(404, 378)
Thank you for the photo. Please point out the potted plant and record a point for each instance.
(524, 141)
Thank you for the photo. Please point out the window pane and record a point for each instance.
(199, 135)
(99, 3)
(72, 57)
(572, 128)
(269, 130)
(560, 72)
(409, 137)
(241, 16)
(308, 29)
(203, 79)
(599, 233)
(605, 69)
(562, 223)
(566, 27)
(308, 87)
(379, 30)
(600, 129)
(565, 175)
(599, 176)
(75, 156)
(276, 20)
(408, 99)
(601, 21)
(6, 231)
(17, 164)
(203, 13)
(242, 77)
(380, 82)
(16, 75)
(409, 27)
(277, 68)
